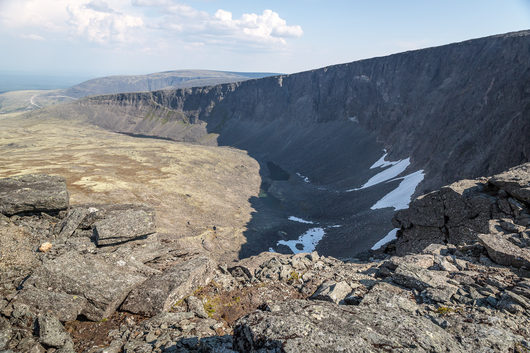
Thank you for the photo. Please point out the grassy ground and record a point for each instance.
(22, 101)
(193, 188)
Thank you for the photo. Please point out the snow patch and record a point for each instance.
(304, 178)
(381, 162)
(299, 220)
(307, 241)
(387, 174)
(399, 198)
(387, 239)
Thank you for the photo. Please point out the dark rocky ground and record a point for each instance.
(98, 278)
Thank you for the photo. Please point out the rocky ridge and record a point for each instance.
(456, 279)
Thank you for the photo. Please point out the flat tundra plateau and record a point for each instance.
(200, 193)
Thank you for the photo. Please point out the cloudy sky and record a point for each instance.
(102, 37)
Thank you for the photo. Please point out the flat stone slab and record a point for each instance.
(123, 224)
(33, 193)
(104, 286)
(160, 292)
(65, 307)
(515, 181)
(504, 252)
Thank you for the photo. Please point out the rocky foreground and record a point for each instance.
(98, 278)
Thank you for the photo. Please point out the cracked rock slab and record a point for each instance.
(103, 285)
(504, 252)
(33, 193)
(160, 292)
(127, 223)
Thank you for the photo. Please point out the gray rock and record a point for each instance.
(523, 288)
(160, 292)
(515, 181)
(334, 292)
(103, 285)
(125, 223)
(5, 333)
(52, 332)
(504, 252)
(301, 326)
(196, 306)
(33, 193)
(71, 222)
(64, 306)
(419, 278)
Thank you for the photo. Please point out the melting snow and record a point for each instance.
(399, 198)
(308, 241)
(387, 174)
(304, 178)
(387, 239)
(381, 162)
(300, 220)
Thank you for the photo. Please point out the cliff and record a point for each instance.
(445, 113)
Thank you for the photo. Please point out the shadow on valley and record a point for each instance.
(306, 172)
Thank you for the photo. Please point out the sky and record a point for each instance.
(90, 38)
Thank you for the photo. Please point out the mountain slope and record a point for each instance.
(158, 81)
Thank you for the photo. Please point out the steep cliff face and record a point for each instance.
(456, 111)
(157, 81)
(459, 110)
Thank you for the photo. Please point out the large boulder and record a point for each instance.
(108, 224)
(123, 224)
(160, 292)
(515, 182)
(33, 193)
(102, 285)
(504, 252)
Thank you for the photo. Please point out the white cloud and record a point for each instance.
(31, 36)
(151, 22)
(267, 27)
(101, 24)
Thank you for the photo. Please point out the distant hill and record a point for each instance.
(15, 98)
(158, 81)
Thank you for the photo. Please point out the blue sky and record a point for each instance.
(102, 37)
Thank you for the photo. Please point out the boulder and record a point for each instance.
(124, 223)
(33, 193)
(505, 252)
(103, 285)
(52, 332)
(160, 292)
(334, 292)
(434, 283)
(65, 307)
(5, 333)
(71, 222)
(515, 181)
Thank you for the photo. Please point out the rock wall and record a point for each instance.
(459, 110)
